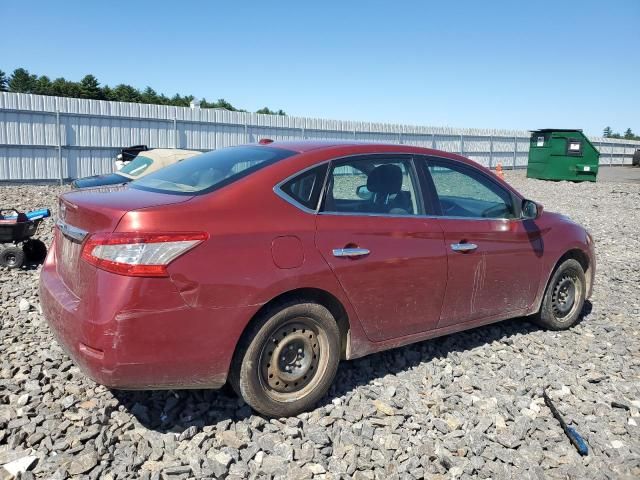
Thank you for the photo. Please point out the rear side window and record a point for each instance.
(379, 185)
(305, 188)
(209, 171)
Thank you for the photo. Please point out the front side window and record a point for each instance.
(204, 173)
(463, 192)
(377, 185)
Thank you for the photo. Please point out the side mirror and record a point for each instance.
(363, 192)
(531, 210)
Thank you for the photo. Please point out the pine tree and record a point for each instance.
(628, 134)
(179, 101)
(126, 93)
(606, 133)
(64, 88)
(90, 88)
(266, 111)
(222, 103)
(150, 96)
(22, 81)
(43, 86)
(3, 82)
(59, 87)
(107, 92)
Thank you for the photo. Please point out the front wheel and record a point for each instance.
(287, 359)
(564, 297)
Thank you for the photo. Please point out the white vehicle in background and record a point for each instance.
(128, 154)
(144, 163)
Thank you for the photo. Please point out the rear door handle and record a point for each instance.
(350, 252)
(463, 247)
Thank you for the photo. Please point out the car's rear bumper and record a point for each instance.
(145, 338)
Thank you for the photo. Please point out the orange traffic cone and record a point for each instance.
(499, 171)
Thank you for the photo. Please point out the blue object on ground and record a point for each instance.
(36, 214)
(575, 438)
(577, 441)
(33, 215)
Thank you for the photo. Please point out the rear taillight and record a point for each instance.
(138, 254)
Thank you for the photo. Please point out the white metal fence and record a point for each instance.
(50, 138)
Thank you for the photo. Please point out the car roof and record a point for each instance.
(302, 146)
(354, 147)
(340, 147)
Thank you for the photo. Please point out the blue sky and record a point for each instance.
(492, 64)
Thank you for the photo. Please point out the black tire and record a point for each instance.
(35, 250)
(287, 359)
(11, 257)
(564, 297)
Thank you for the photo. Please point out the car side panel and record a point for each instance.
(397, 289)
(501, 276)
(243, 263)
(559, 235)
(236, 266)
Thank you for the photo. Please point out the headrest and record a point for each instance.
(385, 179)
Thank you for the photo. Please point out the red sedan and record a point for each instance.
(266, 264)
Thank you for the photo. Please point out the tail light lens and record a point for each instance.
(138, 254)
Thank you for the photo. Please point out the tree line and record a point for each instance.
(628, 134)
(22, 81)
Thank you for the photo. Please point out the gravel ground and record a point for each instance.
(462, 406)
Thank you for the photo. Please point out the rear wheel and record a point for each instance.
(287, 360)
(564, 297)
(11, 257)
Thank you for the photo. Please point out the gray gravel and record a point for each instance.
(462, 406)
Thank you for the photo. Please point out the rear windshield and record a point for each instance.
(136, 166)
(209, 171)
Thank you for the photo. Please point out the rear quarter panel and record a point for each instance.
(235, 267)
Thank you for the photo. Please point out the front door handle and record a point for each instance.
(350, 252)
(463, 247)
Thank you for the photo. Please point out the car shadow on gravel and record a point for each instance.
(187, 411)
(30, 265)
(26, 266)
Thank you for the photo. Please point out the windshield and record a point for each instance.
(206, 172)
(136, 166)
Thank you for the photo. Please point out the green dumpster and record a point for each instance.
(562, 154)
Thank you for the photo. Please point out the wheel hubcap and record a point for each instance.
(564, 296)
(290, 358)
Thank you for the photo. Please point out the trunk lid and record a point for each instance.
(84, 212)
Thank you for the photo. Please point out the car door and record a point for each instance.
(495, 258)
(390, 259)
